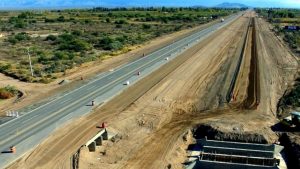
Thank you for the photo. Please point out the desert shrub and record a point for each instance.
(60, 56)
(146, 26)
(76, 45)
(61, 19)
(12, 40)
(119, 26)
(17, 22)
(18, 37)
(20, 24)
(70, 42)
(77, 33)
(45, 80)
(22, 36)
(121, 21)
(51, 38)
(47, 20)
(116, 45)
(293, 98)
(4, 67)
(8, 92)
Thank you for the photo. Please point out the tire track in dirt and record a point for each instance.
(160, 142)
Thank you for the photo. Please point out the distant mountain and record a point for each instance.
(231, 5)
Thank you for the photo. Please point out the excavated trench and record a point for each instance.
(246, 79)
(289, 140)
(243, 95)
(253, 90)
(252, 98)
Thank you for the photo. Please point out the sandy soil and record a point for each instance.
(150, 122)
(153, 116)
(278, 68)
(35, 92)
(242, 82)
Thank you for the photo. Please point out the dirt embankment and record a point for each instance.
(200, 131)
(277, 67)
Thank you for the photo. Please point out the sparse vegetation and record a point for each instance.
(281, 18)
(8, 92)
(292, 98)
(61, 39)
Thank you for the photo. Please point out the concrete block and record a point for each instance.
(99, 141)
(105, 135)
(217, 165)
(92, 147)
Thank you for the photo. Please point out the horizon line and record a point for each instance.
(120, 6)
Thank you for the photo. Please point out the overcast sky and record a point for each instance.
(113, 3)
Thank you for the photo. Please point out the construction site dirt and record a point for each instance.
(153, 118)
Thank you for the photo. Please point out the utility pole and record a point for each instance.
(30, 62)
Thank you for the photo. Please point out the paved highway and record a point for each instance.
(18, 130)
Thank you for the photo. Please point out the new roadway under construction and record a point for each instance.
(228, 76)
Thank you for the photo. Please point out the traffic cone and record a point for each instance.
(13, 149)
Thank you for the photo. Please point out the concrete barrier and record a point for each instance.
(203, 164)
(92, 146)
(235, 155)
(239, 159)
(97, 140)
(237, 145)
(240, 152)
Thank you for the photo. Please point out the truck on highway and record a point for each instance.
(222, 20)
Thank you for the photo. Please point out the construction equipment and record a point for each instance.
(293, 120)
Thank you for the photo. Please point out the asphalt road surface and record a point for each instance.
(30, 124)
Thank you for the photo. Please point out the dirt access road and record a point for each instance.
(152, 116)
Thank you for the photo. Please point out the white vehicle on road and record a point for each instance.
(127, 82)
